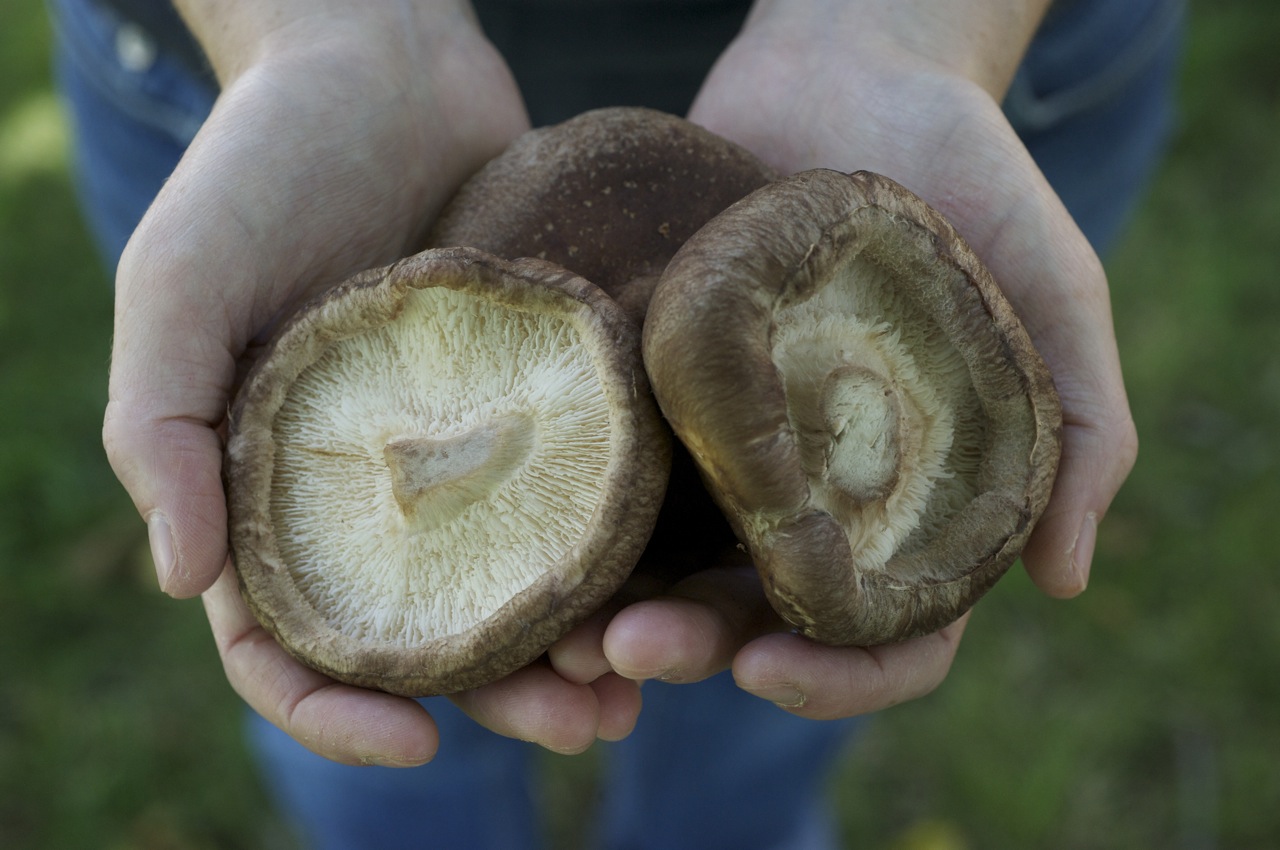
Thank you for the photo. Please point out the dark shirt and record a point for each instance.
(568, 56)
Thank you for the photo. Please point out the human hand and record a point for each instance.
(340, 131)
(912, 91)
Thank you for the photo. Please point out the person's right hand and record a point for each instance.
(341, 130)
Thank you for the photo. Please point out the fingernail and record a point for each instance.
(1082, 549)
(787, 696)
(160, 536)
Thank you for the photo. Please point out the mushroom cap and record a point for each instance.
(438, 468)
(611, 194)
(861, 400)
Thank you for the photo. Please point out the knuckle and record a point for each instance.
(1126, 444)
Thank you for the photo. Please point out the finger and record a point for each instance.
(343, 723)
(579, 657)
(828, 682)
(694, 631)
(1096, 459)
(535, 704)
(1068, 315)
(620, 702)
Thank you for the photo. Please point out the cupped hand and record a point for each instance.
(819, 96)
(340, 131)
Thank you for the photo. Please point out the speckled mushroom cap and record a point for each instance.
(861, 400)
(440, 467)
(611, 194)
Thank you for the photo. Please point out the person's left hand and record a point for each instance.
(857, 86)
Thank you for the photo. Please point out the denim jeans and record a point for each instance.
(708, 766)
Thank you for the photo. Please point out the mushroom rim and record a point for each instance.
(798, 275)
(532, 618)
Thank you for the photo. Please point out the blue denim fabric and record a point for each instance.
(1094, 104)
(131, 123)
(708, 766)
(478, 792)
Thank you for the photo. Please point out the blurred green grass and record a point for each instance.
(1144, 714)
(116, 727)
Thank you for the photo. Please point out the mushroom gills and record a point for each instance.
(430, 469)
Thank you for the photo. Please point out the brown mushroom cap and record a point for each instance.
(861, 400)
(438, 468)
(610, 194)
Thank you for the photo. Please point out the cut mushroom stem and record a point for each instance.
(438, 469)
(861, 400)
(435, 479)
(857, 435)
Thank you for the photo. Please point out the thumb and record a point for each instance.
(170, 464)
(171, 374)
(1099, 447)
(210, 264)
(1069, 316)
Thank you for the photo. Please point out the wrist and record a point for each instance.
(240, 34)
(982, 41)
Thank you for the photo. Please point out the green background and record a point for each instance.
(1145, 714)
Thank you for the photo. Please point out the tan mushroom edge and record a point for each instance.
(438, 468)
(861, 400)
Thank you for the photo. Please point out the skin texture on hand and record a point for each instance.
(900, 92)
(340, 131)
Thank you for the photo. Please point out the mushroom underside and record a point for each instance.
(446, 486)
(861, 400)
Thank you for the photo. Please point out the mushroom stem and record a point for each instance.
(861, 426)
(435, 479)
